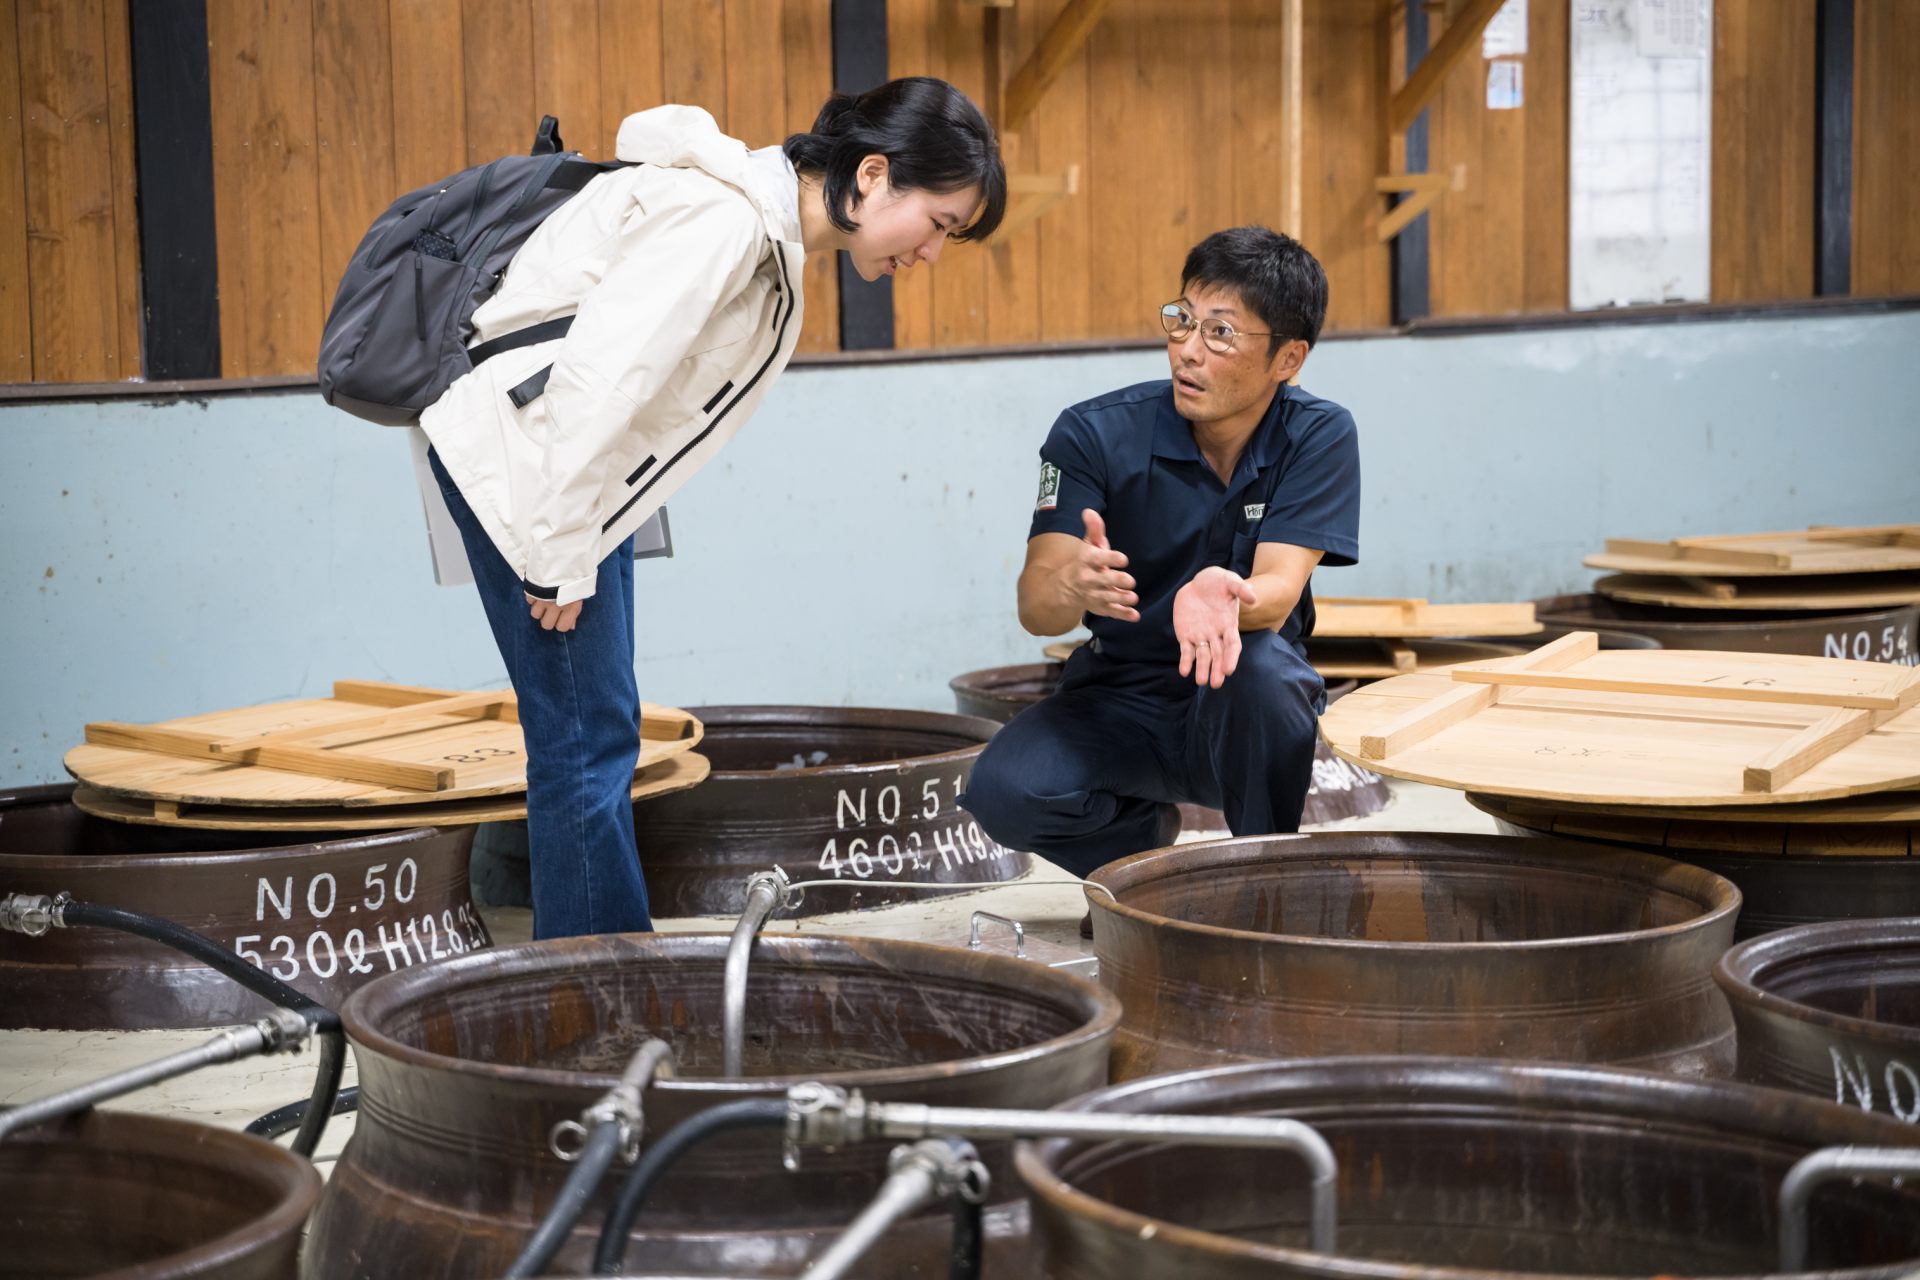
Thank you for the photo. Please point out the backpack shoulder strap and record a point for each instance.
(546, 139)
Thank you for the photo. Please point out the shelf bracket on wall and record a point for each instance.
(1063, 40)
(1404, 115)
(1411, 98)
(1035, 193)
(1420, 190)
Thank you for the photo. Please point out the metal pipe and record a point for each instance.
(919, 1175)
(279, 1030)
(766, 890)
(821, 1115)
(1829, 1165)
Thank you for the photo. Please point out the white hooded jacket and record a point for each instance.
(683, 274)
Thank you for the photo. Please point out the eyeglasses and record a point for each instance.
(1216, 333)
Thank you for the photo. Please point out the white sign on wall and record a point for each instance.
(1641, 134)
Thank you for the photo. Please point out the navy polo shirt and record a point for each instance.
(1130, 456)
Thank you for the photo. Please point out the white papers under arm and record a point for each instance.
(450, 567)
(654, 539)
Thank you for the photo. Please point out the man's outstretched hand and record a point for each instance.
(1097, 578)
(1206, 622)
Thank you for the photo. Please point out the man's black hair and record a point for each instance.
(932, 135)
(1274, 273)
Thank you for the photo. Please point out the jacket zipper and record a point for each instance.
(784, 294)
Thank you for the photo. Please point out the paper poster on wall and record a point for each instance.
(1671, 28)
(1506, 85)
(1640, 135)
(1506, 35)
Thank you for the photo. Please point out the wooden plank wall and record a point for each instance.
(325, 110)
(1499, 246)
(1886, 137)
(1166, 155)
(69, 242)
(1765, 117)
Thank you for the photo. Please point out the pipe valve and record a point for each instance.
(33, 914)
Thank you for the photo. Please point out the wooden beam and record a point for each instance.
(1712, 588)
(1402, 215)
(479, 706)
(1701, 551)
(380, 693)
(1450, 708)
(1293, 96)
(1878, 700)
(1035, 194)
(1809, 747)
(306, 760)
(1390, 182)
(1459, 36)
(1065, 38)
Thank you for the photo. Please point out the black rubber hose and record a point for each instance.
(325, 1022)
(326, 1087)
(965, 1256)
(753, 1113)
(284, 1120)
(206, 951)
(602, 1145)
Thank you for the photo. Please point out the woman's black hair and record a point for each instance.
(932, 135)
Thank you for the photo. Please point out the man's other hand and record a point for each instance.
(1097, 578)
(1206, 622)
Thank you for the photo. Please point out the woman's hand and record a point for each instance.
(1206, 622)
(555, 617)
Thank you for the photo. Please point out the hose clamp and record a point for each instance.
(620, 1105)
(952, 1163)
(785, 897)
(819, 1115)
(33, 914)
(284, 1031)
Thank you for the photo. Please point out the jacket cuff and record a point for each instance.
(565, 593)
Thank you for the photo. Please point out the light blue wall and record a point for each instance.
(859, 543)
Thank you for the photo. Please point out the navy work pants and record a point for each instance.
(580, 714)
(1081, 777)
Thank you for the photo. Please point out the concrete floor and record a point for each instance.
(35, 1063)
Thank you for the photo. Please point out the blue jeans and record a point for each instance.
(1080, 777)
(580, 713)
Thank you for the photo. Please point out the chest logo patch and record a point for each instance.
(1049, 488)
(1255, 510)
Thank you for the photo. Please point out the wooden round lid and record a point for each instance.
(370, 744)
(1642, 727)
(675, 773)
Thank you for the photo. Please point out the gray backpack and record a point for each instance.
(397, 335)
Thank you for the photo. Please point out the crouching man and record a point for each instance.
(1183, 519)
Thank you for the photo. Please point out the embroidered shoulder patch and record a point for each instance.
(1049, 488)
(1255, 510)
